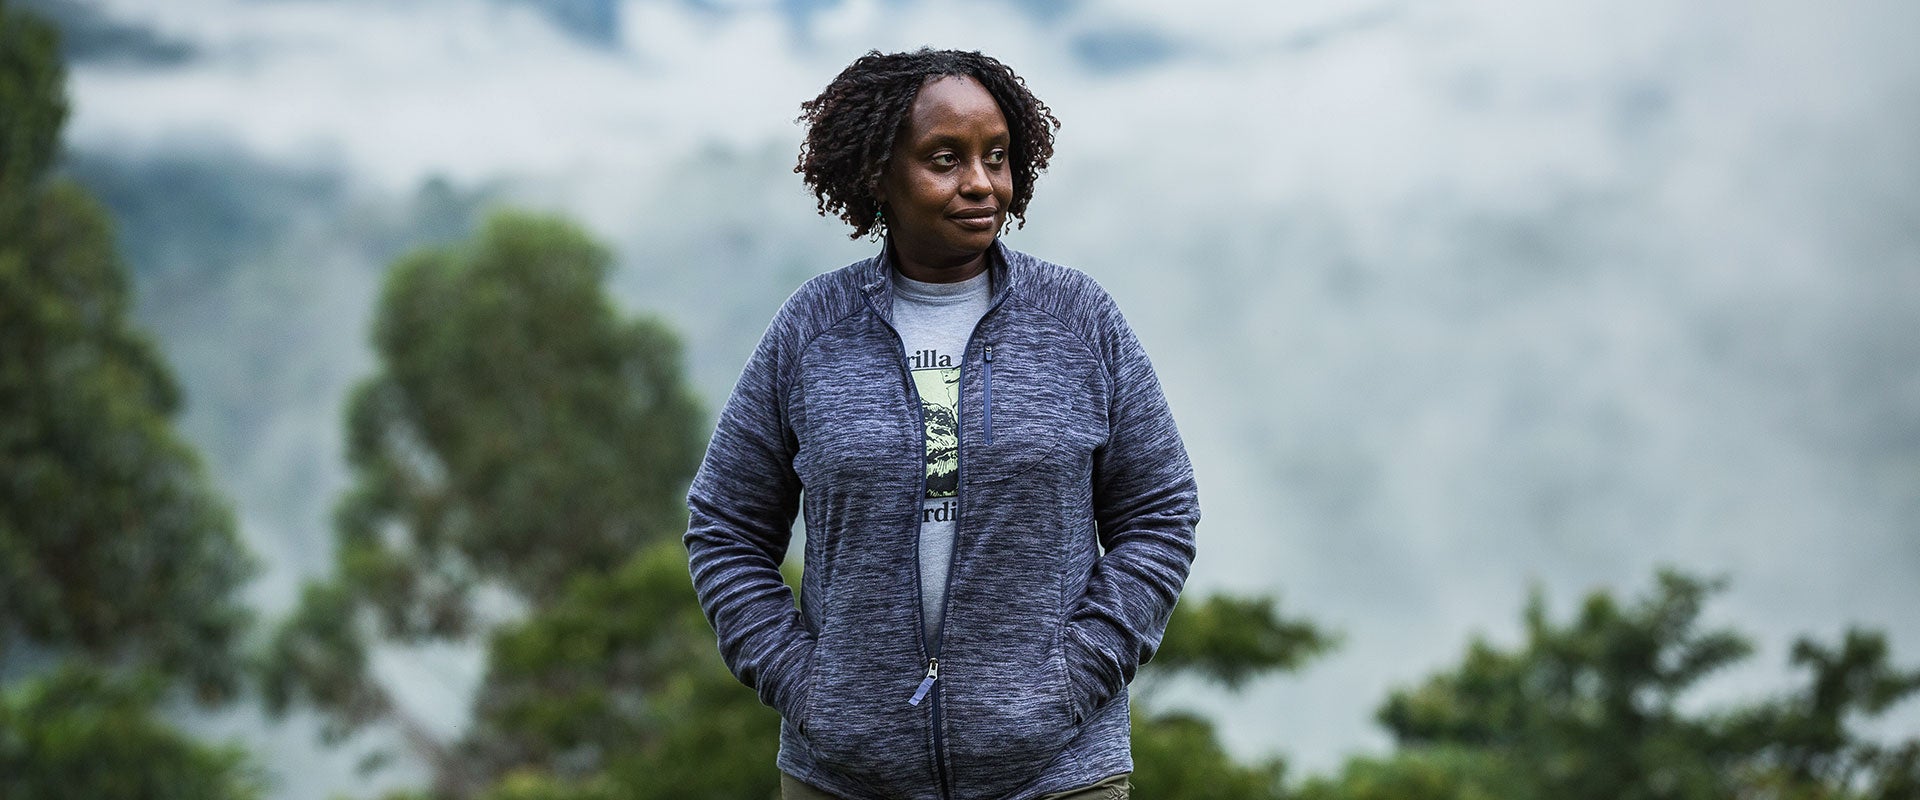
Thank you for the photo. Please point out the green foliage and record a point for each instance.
(118, 561)
(319, 657)
(521, 440)
(1591, 709)
(1593, 702)
(1228, 641)
(619, 687)
(519, 432)
(81, 733)
(112, 542)
(1231, 640)
(587, 676)
(1441, 772)
(33, 92)
(1801, 746)
(1177, 756)
(540, 786)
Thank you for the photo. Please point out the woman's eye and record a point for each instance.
(946, 159)
(997, 157)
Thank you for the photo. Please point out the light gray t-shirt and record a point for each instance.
(935, 321)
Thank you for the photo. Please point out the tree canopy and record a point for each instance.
(1595, 708)
(119, 561)
(521, 439)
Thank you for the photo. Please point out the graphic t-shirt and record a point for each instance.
(935, 320)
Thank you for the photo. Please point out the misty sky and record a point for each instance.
(1449, 297)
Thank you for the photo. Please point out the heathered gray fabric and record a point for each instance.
(1076, 534)
(935, 320)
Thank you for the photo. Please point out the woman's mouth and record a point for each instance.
(977, 219)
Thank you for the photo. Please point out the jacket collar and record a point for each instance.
(876, 278)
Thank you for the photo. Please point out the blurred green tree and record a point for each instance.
(82, 732)
(1226, 641)
(521, 440)
(618, 691)
(119, 562)
(1592, 709)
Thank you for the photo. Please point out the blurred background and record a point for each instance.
(1461, 305)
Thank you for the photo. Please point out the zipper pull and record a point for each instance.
(926, 684)
(989, 353)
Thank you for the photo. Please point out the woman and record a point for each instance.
(999, 511)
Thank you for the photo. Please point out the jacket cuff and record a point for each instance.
(785, 690)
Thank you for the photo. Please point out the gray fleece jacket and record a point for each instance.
(1076, 531)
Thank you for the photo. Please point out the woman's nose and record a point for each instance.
(976, 182)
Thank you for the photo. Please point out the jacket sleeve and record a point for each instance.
(1146, 506)
(741, 508)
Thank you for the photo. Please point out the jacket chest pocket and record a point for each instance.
(1035, 410)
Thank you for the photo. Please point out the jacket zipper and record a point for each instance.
(927, 684)
(986, 392)
(932, 649)
(927, 691)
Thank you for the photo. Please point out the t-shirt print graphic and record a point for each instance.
(939, 404)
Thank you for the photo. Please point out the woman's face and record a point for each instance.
(948, 181)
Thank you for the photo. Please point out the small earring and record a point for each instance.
(879, 227)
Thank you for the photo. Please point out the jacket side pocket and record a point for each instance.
(1085, 690)
(803, 710)
(1058, 650)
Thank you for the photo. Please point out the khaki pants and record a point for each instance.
(1114, 788)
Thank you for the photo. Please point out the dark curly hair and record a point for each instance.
(852, 124)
